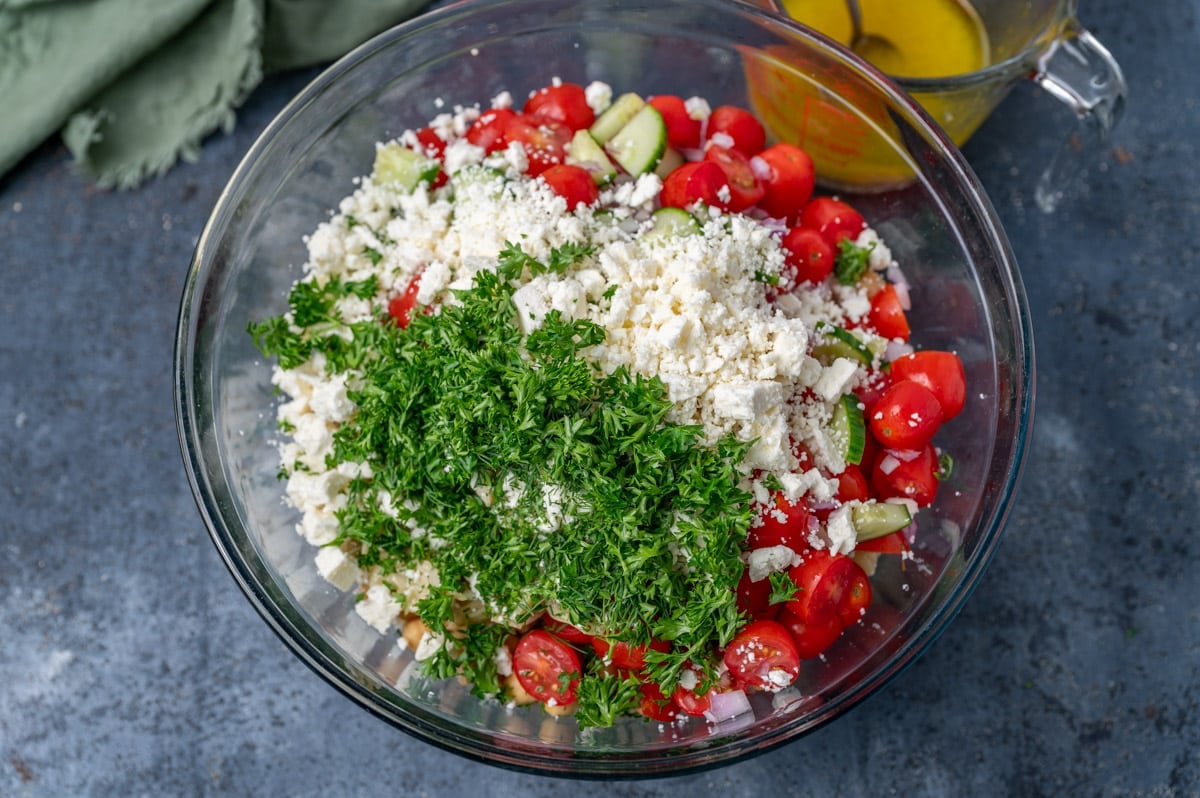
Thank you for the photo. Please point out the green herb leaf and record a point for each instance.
(851, 261)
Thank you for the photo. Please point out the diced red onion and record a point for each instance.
(727, 705)
(691, 155)
(888, 464)
(905, 455)
(896, 350)
(896, 277)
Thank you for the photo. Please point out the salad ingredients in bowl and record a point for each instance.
(594, 405)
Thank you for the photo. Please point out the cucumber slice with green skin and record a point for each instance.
(876, 519)
(615, 117)
(841, 343)
(639, 146)
(400, 167)
(670, 161)
(849, 428)
(586, 153)
(671, 222)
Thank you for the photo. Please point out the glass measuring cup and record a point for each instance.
(1040, 40)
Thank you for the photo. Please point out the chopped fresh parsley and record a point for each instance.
(526, 475)
(851, 261)
(782, 587)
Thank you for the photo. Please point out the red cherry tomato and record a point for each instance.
(431, 143)
(545, 141)
(940, 372)
(683, 132)
(906, 416)
(567, 632)
(853, 485)
(887, 315)
(572, 183)
(893, 543)
(782, 524)
(702, 181)
(400, 307)
(625, 656)
(811, 639)
(754, 598)
(488, 131)
(745, 190)
(743, 127)
(763, 654)
(858, 598)
(833, 219)
(657, 706)
(565, 103)
(541, 661)
(808, 255)
(824, 581)
(690, 702)
(790, 185)
(914, 479)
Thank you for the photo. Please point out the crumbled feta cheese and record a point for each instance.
(337, 569)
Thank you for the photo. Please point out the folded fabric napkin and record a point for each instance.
(136, 84)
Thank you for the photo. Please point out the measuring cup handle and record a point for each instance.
(1079, 71)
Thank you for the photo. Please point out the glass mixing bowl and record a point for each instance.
(930, 209)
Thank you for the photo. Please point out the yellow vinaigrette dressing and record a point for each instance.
(909, 39)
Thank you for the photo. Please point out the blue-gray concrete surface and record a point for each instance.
(130, 664)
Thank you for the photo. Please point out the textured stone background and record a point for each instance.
(131, 665)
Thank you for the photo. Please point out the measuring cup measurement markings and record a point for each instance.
(959, 59)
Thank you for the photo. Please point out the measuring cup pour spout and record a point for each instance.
(1080, 72)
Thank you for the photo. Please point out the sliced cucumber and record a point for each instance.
(639, 146)
(840, 343)
(671, 160)
(670, 222)
(876, 519)
(587, 153)
(849, 428)
(400, 167)
(615, 117)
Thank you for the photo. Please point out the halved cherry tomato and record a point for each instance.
(748, 134)
(893, 543)
(887, 315)
(858, 598)
(545, 141)
(690, 702)
(915, 478)
(655, 705)
(567, 632)
(744, 188)
(572, 183)
(763, 655)
(431, 143)
(811, 639)
(625, 656)
(807, 254)
(546, 667)
(488, 131)
(823, 581)
(701, 181)
(565, 103)
(833, 219)
(754, 598)
(853, 485)
(683, 132)
(906, 416)
(782, 523)
(400, 307)
(940, 372)
(790, 185)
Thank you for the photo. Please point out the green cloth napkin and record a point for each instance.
(135, 85)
